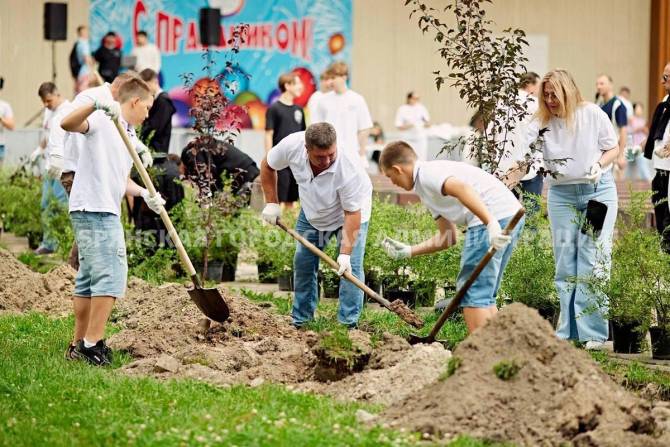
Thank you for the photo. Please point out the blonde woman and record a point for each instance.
(580, 134)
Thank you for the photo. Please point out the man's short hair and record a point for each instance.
(624, 89)
(286, 78)
(320, 136)
(142, 33)
(529, 78)
(324, 75)
(134, 88)
(609, 78)
(396, 153)
(80, 28)
(47, 88)
(338, 69)
(148, 75)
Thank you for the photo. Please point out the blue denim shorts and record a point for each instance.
(103, 268)
(482, 293)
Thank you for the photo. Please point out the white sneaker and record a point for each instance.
(593, 345)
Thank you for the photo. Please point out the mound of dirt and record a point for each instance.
(558, 396)
(23, 290)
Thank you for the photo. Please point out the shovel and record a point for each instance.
(209, 301)
(453, 304)
(397, 307)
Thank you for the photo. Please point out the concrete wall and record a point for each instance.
(586, 37)
(25, 57)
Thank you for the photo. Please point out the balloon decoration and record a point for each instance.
(273, 96)
(182, 102)
(336, 43)
(255, 110)
(308, 83)
(234, 81)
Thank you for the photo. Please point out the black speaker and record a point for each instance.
(210, 26)
(55, 21)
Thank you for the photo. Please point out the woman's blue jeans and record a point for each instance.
(577, 255)
(306, 266)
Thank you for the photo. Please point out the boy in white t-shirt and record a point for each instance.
(458, 193)
(102, 180)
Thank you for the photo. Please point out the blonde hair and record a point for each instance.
(134, 88)
(567, 93)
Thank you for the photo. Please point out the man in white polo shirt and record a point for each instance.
(336, 196)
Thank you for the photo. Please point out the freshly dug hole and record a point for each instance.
(340, 353)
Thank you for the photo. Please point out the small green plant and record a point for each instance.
(157, 268)
(506, 369)
(452, 365)
(339, 345)
(36, 263)
(282, 304)
(20, 197)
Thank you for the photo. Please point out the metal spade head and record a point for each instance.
(210, 302)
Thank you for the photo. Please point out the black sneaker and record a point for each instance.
(71, 353)
(96, 355)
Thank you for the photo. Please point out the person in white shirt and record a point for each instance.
(412, 119)
(457, 193)
(624, 96)
(336, 198)
(147, 53)
(6, 122)
(579, 149)
(95, 211)
(347, 111)
(51, 187)
(325, 86)
(657, 149)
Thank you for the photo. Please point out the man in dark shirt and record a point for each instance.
(283, 118)
(157, 128)
(108, 57)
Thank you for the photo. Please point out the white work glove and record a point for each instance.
(112, 109)
(497, 239)
(396, 249)
(155, 203)
(595, 173)
(145, 154)
(271, 213)
(345, 264)
(55, 166)
(661, 152)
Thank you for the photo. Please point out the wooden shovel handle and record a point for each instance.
(146, 179)
(331, 262)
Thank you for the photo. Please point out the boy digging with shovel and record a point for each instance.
(458, 193)
(102, 180)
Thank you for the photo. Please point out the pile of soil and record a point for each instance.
(23, 290)
(559, 396)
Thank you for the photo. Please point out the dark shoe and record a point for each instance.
(71, 353)
(43, 251)
(96, 355)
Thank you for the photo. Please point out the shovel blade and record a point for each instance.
(211, 303)
(414, 339)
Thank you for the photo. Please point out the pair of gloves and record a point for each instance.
(398, 250)
(271, 214)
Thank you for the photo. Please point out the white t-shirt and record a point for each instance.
(103, 167)
(429, 177)
(415, 115)
(5, 112)
(344, 186)
(582, 145)
(349, 114)
(517, 147)
(658, 162)
(147, 56)
(313, 103)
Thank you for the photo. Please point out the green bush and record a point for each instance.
(273, 246)
(20, 197)
(529, 276)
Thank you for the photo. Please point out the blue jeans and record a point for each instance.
(533, 186)
(638, 168)
(103, 267)
(306, 266)
(51, 190)
(483, 292)
(577, 255)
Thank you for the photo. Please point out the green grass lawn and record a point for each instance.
(45, 400)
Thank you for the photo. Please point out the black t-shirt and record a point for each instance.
(110, 61)
(284, 120)
(159, 122)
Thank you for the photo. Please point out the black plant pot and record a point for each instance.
(660, 343)
(214, 270)
(627, 339)
(265, 273)
(372, 281)
(285, 282)
(331, 290)
(228, 272)
(550, 314)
